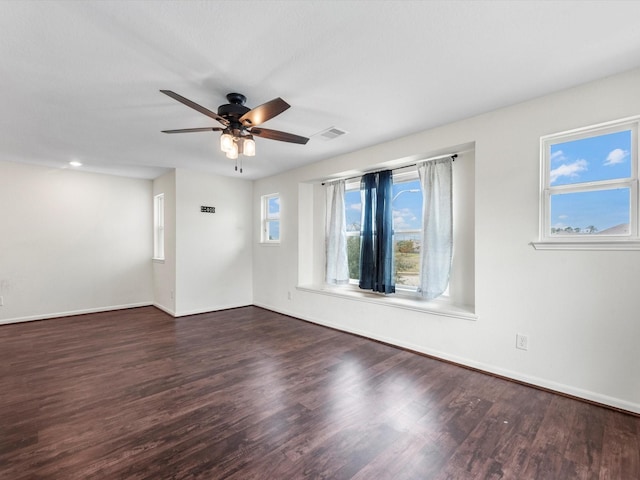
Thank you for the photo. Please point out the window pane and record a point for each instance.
(353, 218)
(603, 157)
(599, 212)
(273, 207)
(406, 249)
(353, 256)
(353, 210)
(407, 206)
(273, 229)
(158, 227)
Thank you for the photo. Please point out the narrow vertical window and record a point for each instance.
(158, 227)
(271, 218)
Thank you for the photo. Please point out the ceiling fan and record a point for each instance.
(240, 123)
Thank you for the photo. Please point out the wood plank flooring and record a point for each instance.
(251, 394)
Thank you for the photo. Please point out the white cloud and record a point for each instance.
(558, 156)
(563, 217)
(356, 206)
(404, 218)
(570, 170)
(616, 156)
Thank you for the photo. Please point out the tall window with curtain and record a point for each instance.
(396, 229)
(376, 244)
(337, 271)
(437, 227)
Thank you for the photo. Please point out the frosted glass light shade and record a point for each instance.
(249, 147)
(226, 143)
(233, 152)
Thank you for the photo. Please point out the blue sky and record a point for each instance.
(604, 157)
(407, 206)
(274, 212)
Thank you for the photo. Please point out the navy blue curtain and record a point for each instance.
(376, 242)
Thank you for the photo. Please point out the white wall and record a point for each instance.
(72, 242)
(76, 242)
(579, 308)
(213, 250)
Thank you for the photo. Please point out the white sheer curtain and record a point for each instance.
(336, 235)
(437, 223)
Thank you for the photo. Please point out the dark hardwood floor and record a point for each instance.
(251, 394)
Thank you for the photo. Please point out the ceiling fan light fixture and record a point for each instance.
(240, 124)
(227, 144)
(248, 146)
(233, 152)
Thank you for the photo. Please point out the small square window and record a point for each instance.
(589, 191)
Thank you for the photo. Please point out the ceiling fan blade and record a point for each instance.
(195, 106)
(278, 135)
(264, 112)
(187, 130)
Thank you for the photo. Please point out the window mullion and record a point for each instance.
(591, 186)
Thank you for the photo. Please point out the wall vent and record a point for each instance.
(331, 133)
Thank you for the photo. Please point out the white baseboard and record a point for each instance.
(165, 309)
(47, 316)
(491, 369)
(208, 309)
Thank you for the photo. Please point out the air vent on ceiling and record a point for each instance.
(331, 133)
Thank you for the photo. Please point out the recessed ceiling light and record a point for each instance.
(75, 163)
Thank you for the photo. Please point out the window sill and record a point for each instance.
(270, 244)
(623, 245)
(435, 307)
(157, 260)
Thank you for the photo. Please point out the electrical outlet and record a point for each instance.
(1, 301)
(522, 341)
(289, 295)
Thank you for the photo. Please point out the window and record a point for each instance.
(590, 185)
(447, 191)
(271, 218)
(407, 228)
(158, 227)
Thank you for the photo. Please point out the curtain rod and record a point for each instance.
(452, 155)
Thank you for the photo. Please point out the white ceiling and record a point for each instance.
(80, 80)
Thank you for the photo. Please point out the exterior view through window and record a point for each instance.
(271, 218)
(590, 184)
(407, 227)
(158, 227)
(579, 163)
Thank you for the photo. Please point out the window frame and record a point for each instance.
(267, 219)
(158, 227)
(580, 241)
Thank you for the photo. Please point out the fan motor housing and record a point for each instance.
(235, 108)
(231, 110)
